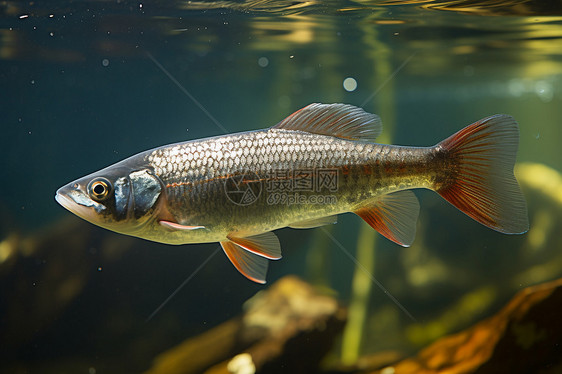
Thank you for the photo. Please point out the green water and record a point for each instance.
(85, 84)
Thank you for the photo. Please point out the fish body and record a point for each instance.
(275, 168)
(317, 163)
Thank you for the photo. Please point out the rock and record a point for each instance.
(524, 337)
(286, 328)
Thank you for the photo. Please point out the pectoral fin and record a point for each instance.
(317, 222)
(250, 265)
(393, 215)
(177, 226)
(265, 245)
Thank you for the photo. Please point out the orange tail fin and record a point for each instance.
(482, 183)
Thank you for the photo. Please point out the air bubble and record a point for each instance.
(349, 84)
(263, 62)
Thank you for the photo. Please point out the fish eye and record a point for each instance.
(99, 189)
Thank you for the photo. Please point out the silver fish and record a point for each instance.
(319, 162)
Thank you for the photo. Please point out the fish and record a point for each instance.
(314, 165)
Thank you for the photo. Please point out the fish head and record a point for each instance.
(120, 198)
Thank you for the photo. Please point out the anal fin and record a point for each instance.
(251, 266)
(393, 215)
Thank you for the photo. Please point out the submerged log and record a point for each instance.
(287, 328)
(524, 337)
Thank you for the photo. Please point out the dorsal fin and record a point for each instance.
(340, 120)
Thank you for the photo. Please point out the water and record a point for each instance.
(85, 84)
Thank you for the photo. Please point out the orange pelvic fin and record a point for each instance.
(248, 264)
(265, 244)
(393, 215)
(482, 182)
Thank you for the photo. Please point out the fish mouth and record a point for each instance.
(76, 202)
(64, 201)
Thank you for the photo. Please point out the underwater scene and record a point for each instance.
(445, 255)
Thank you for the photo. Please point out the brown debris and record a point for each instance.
(524, 337)
(287, 328)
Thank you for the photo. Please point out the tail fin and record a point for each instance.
(482, 183)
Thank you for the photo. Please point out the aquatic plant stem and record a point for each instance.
(361, 289)
(383, 96)
(318, 259)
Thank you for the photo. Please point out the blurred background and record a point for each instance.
(86, 84)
